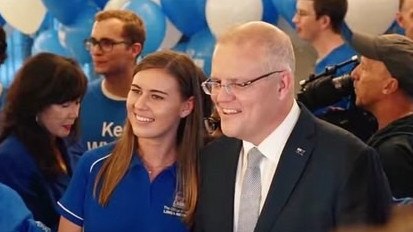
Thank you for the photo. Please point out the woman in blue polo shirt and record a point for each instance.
(147, 180)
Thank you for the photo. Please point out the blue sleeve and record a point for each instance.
(14, 214)
(72, 203)
(19, 172)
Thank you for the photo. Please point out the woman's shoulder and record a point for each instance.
(10, 141)
(96, 156)
(12, 146)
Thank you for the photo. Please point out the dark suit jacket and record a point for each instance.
(325, 177)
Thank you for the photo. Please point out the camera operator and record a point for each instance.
(319, 23)
(383, 83)
(327, 89)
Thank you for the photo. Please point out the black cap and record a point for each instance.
(394, 50)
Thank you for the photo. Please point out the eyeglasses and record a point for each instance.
(105, 45)
(212, 87)
(301, 13)
(211, 124)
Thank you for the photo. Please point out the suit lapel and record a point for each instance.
(227, 163)
(292, 163)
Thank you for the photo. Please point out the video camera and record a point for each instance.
(325, 89)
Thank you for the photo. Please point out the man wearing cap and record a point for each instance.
(383, 85)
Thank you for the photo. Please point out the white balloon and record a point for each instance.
(157, 2)
(172, 36)
(371, 16)
(224, 14)
(24, 15)
(115, 4)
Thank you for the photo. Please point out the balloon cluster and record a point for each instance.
(189, 26)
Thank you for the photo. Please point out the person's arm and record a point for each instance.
(396, 155)
(364, 196)
(68, 226)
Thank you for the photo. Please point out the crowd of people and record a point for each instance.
(155, 145)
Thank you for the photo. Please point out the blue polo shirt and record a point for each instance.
(135, 205)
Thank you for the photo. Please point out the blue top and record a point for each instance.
(19, 170)
(101, 120)
(15, 217)
(340, 54)
(136, 204)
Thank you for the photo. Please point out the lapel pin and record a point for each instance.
(300, 151)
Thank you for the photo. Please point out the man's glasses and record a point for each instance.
(212, 87)
(105, 45)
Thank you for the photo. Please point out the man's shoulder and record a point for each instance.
(327, 137)
(93, 92)
(337, 135)
(221, 143)
(96, 83)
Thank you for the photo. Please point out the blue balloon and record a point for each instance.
(200, 47)
(154, 20)
(101, 3)
(270, 14)
(2, 21)
(72, 37)
(65, 11)
(187, 15)
(180, 47)
(48, 41)
(47, 23)
(286, 8)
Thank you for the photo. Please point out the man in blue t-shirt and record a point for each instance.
(116, 40)
(319, 23)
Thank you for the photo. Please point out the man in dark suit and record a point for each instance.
(312, 176)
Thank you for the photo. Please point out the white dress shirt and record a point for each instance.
(271, 147)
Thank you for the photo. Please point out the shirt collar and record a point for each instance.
(136, 162)
(278, 137)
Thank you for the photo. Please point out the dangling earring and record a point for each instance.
(37, 119)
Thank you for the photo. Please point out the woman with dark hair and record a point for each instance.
(3, 56)
(41, 109)
(147, 180)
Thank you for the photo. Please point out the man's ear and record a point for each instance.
(187, 107)
(285, 83)
(136, 49)
(390, 86)
(325, 21)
